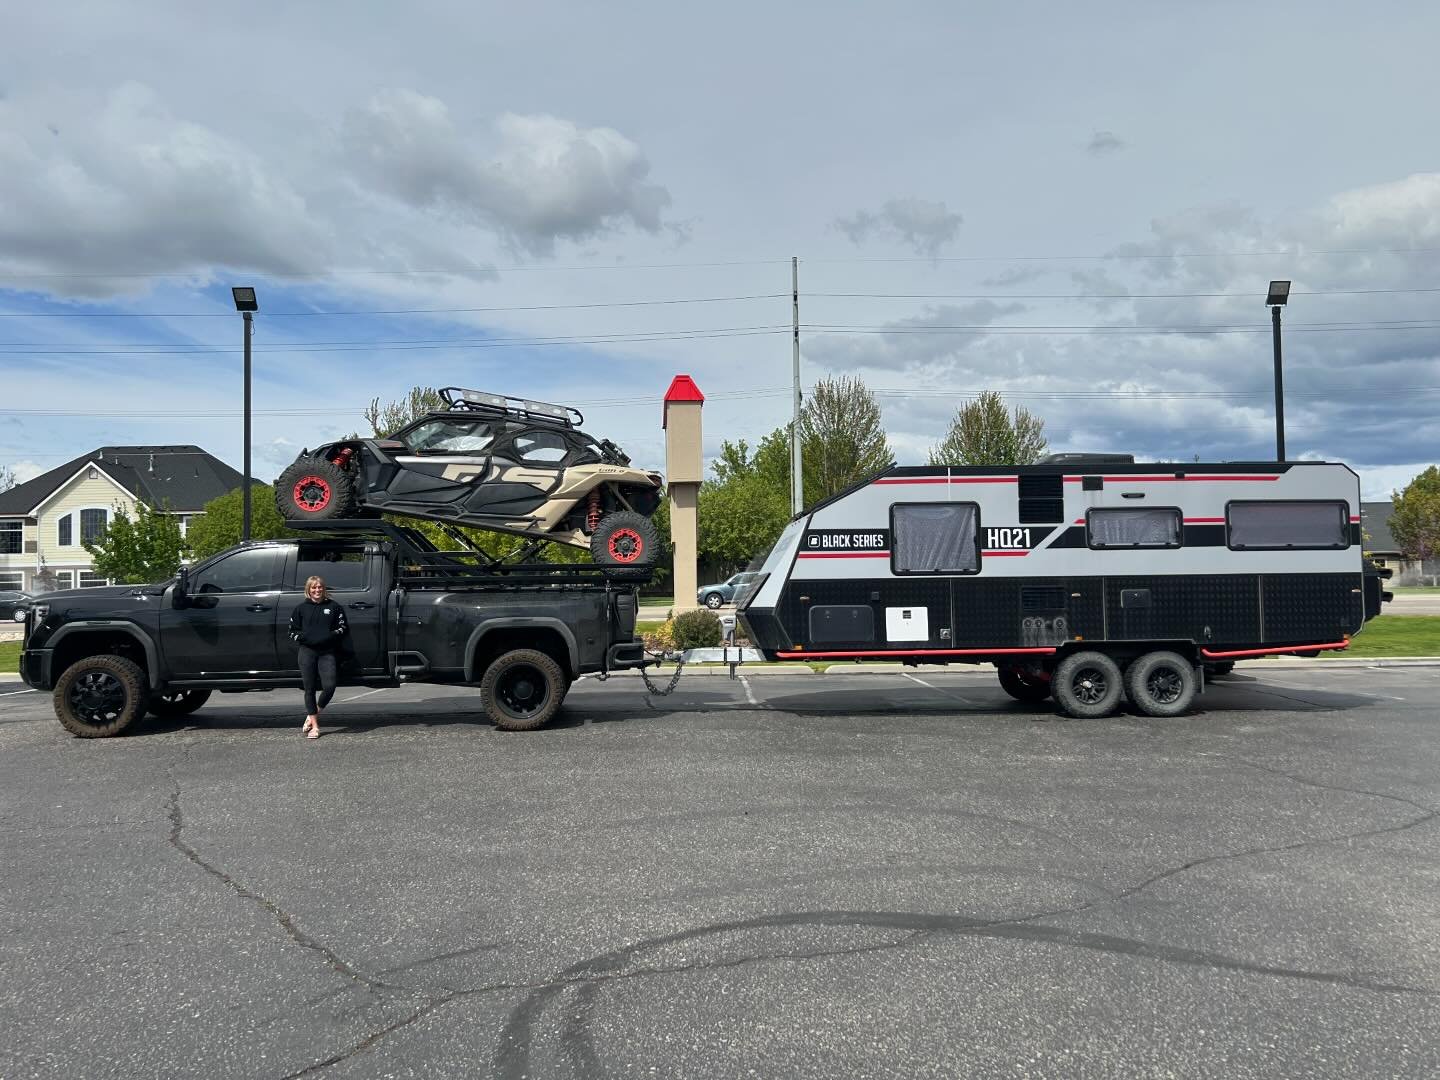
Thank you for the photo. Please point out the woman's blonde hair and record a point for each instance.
(315, 579)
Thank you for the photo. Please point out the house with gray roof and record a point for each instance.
(45, 522)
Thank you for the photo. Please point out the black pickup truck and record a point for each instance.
(521, 633)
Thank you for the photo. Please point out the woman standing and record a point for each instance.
(318, 627)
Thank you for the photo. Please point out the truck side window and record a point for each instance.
(935, 538)
(341, 569)
(255, 570)
(1288, 524)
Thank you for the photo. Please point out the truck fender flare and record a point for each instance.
(152, 654)
(524, 622)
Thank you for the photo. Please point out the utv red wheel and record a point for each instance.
(626, 546)
(312, 493)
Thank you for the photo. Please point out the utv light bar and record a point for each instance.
(522, 408)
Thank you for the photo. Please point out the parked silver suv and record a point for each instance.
(715, 596)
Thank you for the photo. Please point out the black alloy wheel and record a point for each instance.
(1087, 685)
(522, 689)
(99, 696)
(1162, 683)
(177, 702)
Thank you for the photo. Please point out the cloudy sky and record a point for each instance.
(1078, 205)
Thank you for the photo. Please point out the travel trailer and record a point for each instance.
(1086, 578)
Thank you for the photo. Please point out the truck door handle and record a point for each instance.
(258, 607)
(362, 605)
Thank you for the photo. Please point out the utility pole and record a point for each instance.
(245, 484)
(797, 482)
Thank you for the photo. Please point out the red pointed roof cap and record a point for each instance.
(682, 388)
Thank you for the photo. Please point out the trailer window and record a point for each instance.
(935, 538)
(1288, 524)
(1152, 527)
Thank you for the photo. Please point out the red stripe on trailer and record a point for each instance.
(843, 555)
(914, 652)
(949, 480)
(1211, 655)
(1170, 479)
(1204, 521)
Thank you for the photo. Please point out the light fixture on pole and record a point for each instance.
(247, 305)
(1278, 295)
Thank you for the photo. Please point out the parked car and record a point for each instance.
(13, 606)
(714, 596)
(492, 462)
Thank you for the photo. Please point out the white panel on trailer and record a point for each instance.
(907, 624)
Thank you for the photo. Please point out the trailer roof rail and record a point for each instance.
(459, 399)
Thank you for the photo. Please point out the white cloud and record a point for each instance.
(545, 180)
(922, 226)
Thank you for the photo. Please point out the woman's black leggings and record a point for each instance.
(317, 669)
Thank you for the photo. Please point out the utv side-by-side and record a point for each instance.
(490, 462)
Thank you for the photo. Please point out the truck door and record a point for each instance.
(227, 626)
(355, 577)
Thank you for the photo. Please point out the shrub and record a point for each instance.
(697, 629)
(660, 638)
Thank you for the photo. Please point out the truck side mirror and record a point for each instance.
(182, 588)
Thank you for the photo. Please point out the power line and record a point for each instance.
(453, 271)
(1108, 296)
(1109, 331)
(1126, 255)
(388, 311)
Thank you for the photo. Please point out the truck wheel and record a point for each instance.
(177, 702)
(1087, 685)
(1161, 683)
(314, 491)
(625, 539)
(100, 696)
(522, 689)
(1021, 688)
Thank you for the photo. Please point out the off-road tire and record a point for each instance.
(1087, 685)
(1218, 669)
(522, 689)
(1020, 688)
(315, 491)
(626, 540)
(177, 703)
(714, 601)
(1161, 683)
(100, 696)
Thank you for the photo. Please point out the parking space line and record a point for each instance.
(17, 693)
(367, 693)
(940, 690)
(749, 692)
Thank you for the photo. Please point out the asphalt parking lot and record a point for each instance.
(789, 875)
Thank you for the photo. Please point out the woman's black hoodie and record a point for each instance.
(318, 625)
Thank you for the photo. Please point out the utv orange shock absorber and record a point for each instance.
(593, 512)
(342, 459)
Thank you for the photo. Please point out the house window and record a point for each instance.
(12, 580)
(1148, 528)
(91, 580)
(66, 530)
(935, 538)
(1283, 525)
(12, 537)
(64, 579)
(92, 525)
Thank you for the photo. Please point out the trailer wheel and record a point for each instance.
(1020, 688)
(1087, 685)
(522, 689)
(100, 696)
(1161, 683)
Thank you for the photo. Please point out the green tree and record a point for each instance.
(139, 550)
(741, 519)
(982, 433)
(842, 437)
(1415, 523)
(394, 415)
(218, 527)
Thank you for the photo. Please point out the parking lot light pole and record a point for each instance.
(1278, 295)
(247, 305)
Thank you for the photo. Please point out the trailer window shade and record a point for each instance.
(936, 538)
(1288, 524)
(1151, 527)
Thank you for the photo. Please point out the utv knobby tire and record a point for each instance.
(100, 696)
(522, 689)
(1021, 688)
(315, 491)
(1087, 685)
(177, 703)
(625, 539)
(1161, 683)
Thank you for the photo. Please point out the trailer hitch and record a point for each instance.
(654, 690)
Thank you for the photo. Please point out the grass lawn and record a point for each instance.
(1397, 635)
(9, 657)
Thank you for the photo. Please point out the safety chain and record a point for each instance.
(674, 679)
